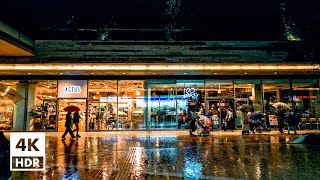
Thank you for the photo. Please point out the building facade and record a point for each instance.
(151, 85)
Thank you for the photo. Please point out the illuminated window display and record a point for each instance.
(305, 97)
(42, 105)
(110, 105)
(131, 105)
(275, 90)
(12, 104)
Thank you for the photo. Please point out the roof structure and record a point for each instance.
(161, 19)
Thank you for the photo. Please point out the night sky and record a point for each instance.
(199, 19)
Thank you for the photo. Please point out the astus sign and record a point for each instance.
(190, 93)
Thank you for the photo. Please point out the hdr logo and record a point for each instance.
(27, 151)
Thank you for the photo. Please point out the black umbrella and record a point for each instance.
(256, 115)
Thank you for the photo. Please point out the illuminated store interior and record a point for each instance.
(110, 105)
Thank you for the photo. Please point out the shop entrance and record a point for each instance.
(62, 103)
(215, 108)
(163, 106)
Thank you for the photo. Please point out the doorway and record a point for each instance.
(163, 107)
(62, 103)
(215, 106)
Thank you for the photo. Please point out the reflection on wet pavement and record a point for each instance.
(178, 157)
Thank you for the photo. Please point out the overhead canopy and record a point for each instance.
(14, 43)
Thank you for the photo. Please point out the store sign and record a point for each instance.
(305, 97)
(190, 92)
(273, 120)
(72, 88)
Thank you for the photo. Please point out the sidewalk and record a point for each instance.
(170, 133)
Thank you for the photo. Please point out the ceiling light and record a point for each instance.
(215, 73)
(60, 73)
(154, 73)
(245, 73)
(29, 73)
(92, 73)
(184, 73)
(275, 73)
(123, 73)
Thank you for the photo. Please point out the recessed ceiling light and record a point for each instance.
(92, 73)
(60, 73)
(29, 73)
(245, 73)
(123, 73)
(215, 73)
(275, 73)
(154, 73)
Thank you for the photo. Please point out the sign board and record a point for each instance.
(27, 151)
(190, 93)
(273, 120)
(72, 88)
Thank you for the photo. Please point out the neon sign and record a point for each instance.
(190, 93)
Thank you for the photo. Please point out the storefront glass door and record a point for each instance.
(162, 106)
(81, 103)
(94, 116)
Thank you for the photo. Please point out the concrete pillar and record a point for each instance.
(258, 97)
(31, 103)
(19, 109)
(278, 95)
(314, 102)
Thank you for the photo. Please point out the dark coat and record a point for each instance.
(68, 121)
(76, 117)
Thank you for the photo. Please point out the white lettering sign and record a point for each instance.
(190, 92)
(72, 89)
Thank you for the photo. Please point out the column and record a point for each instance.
(19, 109)
(31, 104)
(258, 97)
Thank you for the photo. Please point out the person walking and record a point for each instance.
(192, 119)
(251, 123)
(280, 117)
(68, 125)
(291, 122)
(76, 119)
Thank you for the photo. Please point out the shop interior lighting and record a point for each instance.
(152, 67)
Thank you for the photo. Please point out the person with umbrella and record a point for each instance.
(76, 118)
(280, 116)
(68, 123)
(256, 120)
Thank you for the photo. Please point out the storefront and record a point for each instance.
(149, 104)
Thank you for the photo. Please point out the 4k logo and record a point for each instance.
(31, 144)
(27, 151)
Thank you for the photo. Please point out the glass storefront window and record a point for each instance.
(190, 99)
(102, 105)
(162, 106)
(131, 105)
(248, 92)
(42, 105)
(12, 104)
(219, 88)
(305, 97)
(275, 90)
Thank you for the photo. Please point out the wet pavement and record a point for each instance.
(176, 155)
